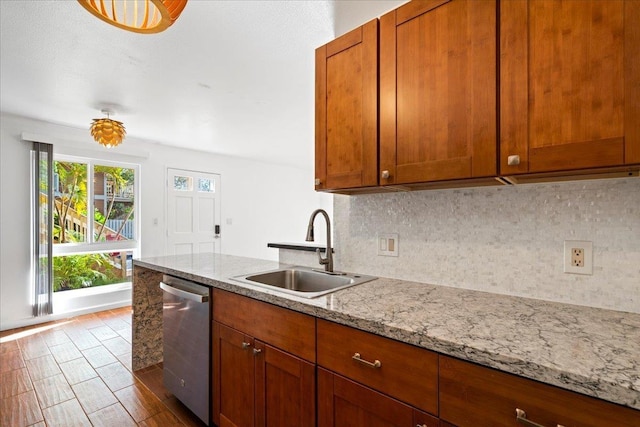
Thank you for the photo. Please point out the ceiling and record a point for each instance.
(229, 77)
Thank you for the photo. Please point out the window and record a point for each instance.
(95, 224)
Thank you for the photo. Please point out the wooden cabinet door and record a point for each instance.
(233, 378)
(285, 389)
(347, 110)
(438, 90)
(472, 395)
(569, 85)
(344, 403)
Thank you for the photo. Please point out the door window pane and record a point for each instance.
(182, 183)
(206, 185)
(114, 203)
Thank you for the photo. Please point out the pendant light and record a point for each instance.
(107, 132)
(139, 16)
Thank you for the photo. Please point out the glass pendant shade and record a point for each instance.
(140, 16)
(108, 132)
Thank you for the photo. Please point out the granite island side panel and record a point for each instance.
(146, 318)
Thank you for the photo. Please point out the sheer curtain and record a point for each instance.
(42, 225)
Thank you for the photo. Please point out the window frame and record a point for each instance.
(91, 246)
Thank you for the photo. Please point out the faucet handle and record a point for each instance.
(322, 261)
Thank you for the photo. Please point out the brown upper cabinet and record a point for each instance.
(458, 92)
(438, 92)
(347, 110)
(570, 85)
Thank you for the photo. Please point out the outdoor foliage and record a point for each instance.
(120, 179)
(81, 271)
(71, 194)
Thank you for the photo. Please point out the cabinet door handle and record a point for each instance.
(256, 351)
(246, 345)
(374, 364)
(385, 174)
(513, 160)
(521, 417)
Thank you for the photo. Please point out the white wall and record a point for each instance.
(507, 240)
(349, 14)
(266, 202)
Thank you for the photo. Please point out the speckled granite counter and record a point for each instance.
(588, 350)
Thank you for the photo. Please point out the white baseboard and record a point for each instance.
(78, 302)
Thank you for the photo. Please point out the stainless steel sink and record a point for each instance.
(304, 281)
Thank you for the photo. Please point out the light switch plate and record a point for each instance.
(387, 244)
(578, 257)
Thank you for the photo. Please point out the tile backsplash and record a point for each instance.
(507, 240)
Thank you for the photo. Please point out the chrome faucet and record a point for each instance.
(328, 260)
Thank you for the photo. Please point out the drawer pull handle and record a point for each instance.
(245, 345)
(521, 417)
(374, 364)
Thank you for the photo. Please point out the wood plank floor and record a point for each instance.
(77, 372)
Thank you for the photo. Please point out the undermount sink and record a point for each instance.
(304, 281)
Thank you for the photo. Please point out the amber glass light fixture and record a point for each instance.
(107, 132)
(139, 16)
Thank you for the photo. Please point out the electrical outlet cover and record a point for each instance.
(576, 252)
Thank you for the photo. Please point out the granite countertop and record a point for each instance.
(588, 350)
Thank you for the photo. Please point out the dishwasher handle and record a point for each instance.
(184, 294)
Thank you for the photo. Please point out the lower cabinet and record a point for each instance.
(259, 385)
(265, 374)
(342, 402)
(234, 378)
(285, 389)
(255, 382)
(472, 395)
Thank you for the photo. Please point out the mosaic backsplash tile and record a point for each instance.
(507, 239)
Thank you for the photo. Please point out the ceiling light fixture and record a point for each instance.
(107, 132)
(139, 16)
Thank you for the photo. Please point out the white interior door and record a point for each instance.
(193, 215)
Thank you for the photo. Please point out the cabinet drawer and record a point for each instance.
(408, 373)
(472, 395)
(288, 330)
(341, 401)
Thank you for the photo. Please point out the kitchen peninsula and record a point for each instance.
(586, 350)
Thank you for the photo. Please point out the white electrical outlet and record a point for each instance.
(578, 257)
(387, 244)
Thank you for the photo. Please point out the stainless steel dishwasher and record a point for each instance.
(186, 320)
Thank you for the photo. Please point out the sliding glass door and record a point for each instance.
(42, 220)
